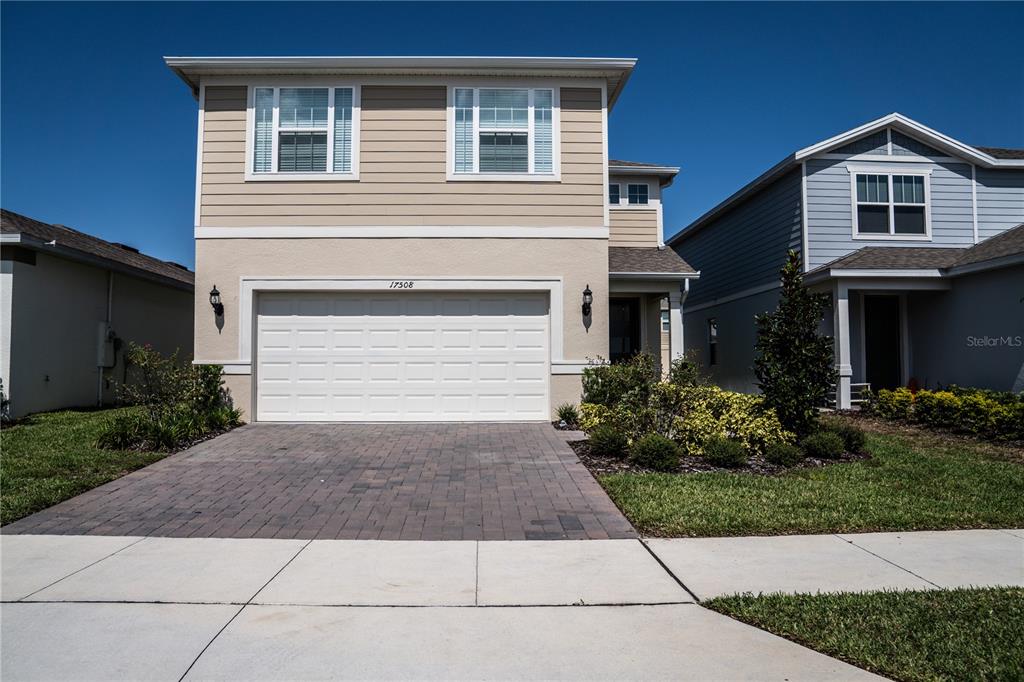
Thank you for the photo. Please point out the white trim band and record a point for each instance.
(401, 232)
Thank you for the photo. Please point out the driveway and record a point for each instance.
(509, 481)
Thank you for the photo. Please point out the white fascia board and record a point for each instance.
(654, 275)
(869, 273)
(907, 125)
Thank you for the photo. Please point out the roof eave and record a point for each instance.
(654, 275)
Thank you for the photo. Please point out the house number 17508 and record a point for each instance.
(401, 285)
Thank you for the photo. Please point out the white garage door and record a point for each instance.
(402, 356)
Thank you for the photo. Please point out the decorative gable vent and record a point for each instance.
(908, 146)
(876, 143)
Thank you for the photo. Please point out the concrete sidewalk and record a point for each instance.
(94, 607)
(86, 607)
(856, 562)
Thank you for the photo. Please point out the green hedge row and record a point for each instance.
(989, 414)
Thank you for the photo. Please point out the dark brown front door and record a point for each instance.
(882, 349)
(623, 327)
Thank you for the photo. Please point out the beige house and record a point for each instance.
(69, 304)
(419, 238)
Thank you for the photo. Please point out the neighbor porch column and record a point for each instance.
(841, 340)
(675, 324)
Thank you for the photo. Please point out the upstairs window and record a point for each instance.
(613, 193)
(890, 206)
(638, 194)
(503, 131)
(303, 131)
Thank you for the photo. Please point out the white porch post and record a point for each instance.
(675, 322)
(841, 336)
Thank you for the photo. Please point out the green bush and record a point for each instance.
(854, 438)
(568, 413)
(685, 370)
(725, 452)
(936, 408)
(896, 404)
(655, 452)
(823, 445)
(605, 384)
(593, 415)
(608, 441)
(174, 403)
(710, 412)
(784, 454)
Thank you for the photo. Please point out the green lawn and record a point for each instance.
(964, 634)
(48, 458)
(913, 481)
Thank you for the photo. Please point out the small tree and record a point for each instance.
(794, 366)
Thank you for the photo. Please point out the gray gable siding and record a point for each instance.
(830, 217)
(1000, 200)
(747, 246)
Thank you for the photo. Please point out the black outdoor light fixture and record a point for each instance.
(218, 307)
(588, 298)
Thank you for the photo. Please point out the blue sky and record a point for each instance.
(98, 134)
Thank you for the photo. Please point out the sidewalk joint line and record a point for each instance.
(247, 603)
(668, 570)
(891, 563)
(132, 544)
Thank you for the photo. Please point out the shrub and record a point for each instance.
(937, 408)
(823, 445)
(568, 413)
(854, 438)
(725, 452)
(593, 415)
(783, 454)
(605, 384)
(708, 412)
(608, 441)
(895, 404)
(685, 370)
(655, 410)
(794, 365)
(655, 452)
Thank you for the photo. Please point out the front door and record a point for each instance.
(882, 350)
(624, 328)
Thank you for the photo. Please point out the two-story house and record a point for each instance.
(419, 238)
(916, 236)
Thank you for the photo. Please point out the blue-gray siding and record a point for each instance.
(1000, 200)
(746, 247)
(830, 213)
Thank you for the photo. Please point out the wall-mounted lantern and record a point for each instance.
(218, 307)
(588, 299)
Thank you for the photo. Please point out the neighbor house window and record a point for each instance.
(638, 194)
(890, 205)
(712, 341)
(613, 193)
(503, 131)
(664, 322)
(303, 131)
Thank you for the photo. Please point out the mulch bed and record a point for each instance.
(599, 465)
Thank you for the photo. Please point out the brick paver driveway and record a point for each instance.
(369, 481)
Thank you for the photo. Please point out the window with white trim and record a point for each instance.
(638, 194)
(664, 322)
(303, 131)
(892, 205)
(503, 131)
(614, 193)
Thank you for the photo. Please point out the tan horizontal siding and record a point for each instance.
(402, 170)
(633, 227)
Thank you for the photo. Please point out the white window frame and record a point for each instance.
(649, 203)
(888, 172)
(609, 195)
(275, 175)
(530, 175)
(666, 322)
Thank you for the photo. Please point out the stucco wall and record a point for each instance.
(973, 334)
(578, 262)
(56, 306)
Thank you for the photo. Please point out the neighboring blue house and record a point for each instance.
(917, 237)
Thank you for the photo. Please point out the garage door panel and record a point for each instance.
(402, 356)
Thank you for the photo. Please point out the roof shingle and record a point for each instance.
(627, 259)
(65, 237)
(1002, 152)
